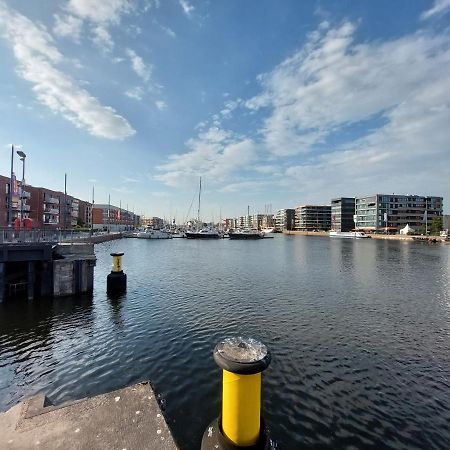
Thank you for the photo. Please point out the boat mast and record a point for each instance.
(199, 198)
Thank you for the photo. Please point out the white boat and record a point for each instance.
(349, 234)
(245, 233)
(267, 230)
(150, 233)
(204, 233)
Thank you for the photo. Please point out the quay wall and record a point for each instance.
(392, 237)
(101, 238)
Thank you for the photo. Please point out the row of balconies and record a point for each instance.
(51, 201)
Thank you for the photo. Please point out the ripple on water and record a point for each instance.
(358, 333)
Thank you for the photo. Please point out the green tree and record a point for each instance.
(436, 225)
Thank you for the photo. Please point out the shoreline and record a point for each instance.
(392, 237)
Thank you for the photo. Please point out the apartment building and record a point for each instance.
(19, 200)
(393, 212)
(342, 214)
(285, 219)
(153, 222)
(112, 218)
(312, 217)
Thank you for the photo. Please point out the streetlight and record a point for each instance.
(22, 156)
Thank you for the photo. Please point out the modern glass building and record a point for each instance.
(380, 211)
(312, 217)
(342, 212)
(285, 219)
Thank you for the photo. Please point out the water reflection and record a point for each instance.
(358, 330)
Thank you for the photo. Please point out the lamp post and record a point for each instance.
(10, 188)
(22, 156)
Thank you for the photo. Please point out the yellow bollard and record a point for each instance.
(116, 281)
(242, 361)
(116, 262)
(241, 407)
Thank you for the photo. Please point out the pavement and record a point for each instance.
(126, 419)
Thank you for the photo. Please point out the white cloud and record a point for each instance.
(160, 194)
(102, 38)
(37, 58)
(439, 7)
(99, 11)
(187, 7)
(245, 186)
(126, 179)
(68, 26)
(214, 154)
(136, 93)
(161, 104)
(100, 15)
(168, 31)
(142, 69)
(333, 82)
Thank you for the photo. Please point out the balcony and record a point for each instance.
(25, 194)
(51, 201)
(74, 214)
(52, 211)
(51, 222)
(25, 207)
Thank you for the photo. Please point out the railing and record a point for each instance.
(51, 200)
(11, 236)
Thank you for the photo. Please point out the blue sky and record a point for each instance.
(271, 102)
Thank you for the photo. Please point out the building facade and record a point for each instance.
(112, 218)
(20, 197)
(342, 214)
(393, 212)
(285, 219)
(312, 217)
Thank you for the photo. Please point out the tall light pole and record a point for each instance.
(22, 158)
(11, 188)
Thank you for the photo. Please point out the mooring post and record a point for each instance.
(116, 282)
(240, 425)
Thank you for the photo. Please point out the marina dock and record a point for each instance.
(128, 418)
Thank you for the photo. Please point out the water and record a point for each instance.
(359, 333)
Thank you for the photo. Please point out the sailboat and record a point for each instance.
(246, 233)
(202, 233)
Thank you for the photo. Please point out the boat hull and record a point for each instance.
(243, 236)
(190, 235)
(348, 235)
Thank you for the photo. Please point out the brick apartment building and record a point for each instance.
(46, 207)
(111, 218)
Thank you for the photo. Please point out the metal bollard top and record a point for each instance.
(117, 254)
(242, 355)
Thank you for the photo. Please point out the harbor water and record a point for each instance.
(359, 332)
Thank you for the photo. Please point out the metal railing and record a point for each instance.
(12, 236)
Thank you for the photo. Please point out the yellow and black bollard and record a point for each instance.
(116, 282)
(240, 424)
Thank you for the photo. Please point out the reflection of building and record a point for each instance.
(342, 212)
(111, 218)
(312, 217)
(380, 211)
(285, 219)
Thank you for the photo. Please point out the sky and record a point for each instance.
(273, 103)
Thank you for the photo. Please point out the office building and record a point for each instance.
(342, 214)
(285, 219)
(312, 217)
(393, 212)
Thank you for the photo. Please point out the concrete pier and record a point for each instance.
(128, 418)
(43, 270)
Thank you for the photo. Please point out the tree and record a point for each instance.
(436, 225)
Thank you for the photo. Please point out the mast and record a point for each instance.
(199, 199)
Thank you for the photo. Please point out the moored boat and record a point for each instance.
(349, 234)
(245, 233)
(150, 233)
(204, 233)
